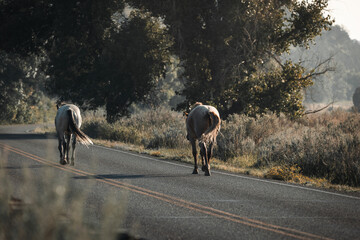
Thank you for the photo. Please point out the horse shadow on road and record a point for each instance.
(130, 176)
(21, 167)
(28, 136)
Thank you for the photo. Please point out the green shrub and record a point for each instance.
(42, 110)
(100, 129)
(233, 139)
(153, 128)
(97, 128)
(240, 135)
(167, 137)
(125, 134)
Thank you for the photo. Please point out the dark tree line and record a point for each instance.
(95, 54)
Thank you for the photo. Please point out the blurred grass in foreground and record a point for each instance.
(37, 206)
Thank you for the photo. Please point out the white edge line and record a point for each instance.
(230, 174)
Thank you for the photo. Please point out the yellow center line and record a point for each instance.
(174, 200)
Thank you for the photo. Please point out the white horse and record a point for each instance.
(203, 124)
(68, 122)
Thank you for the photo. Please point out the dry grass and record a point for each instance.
(323, 146)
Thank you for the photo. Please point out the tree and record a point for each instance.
(26, 26)
(77, 41)
(230, 50)
(133, 59)
(95, 55)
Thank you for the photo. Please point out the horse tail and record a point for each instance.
(211, 133)
(83, 138)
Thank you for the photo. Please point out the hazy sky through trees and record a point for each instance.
(346, 14)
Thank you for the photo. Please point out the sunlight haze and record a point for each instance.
(346, 14)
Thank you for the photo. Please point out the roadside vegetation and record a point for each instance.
(319, 149)
(41, 110)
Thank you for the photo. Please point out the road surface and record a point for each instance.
(161, 199)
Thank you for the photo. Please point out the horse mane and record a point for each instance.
(60, 103)
(195, 105)
(186, 113)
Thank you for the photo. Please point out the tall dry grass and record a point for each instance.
(319, 145)
(323, 146)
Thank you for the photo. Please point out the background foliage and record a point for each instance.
(230, 50)
(107, 54)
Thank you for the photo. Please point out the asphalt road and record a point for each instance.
(161, 199)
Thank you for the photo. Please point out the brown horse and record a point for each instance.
(68, 122)
(203, 124)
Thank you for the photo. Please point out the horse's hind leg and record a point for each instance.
(204, 156)
(62, 150)
(210, 151)
(68, 137)
(203, 168)
(72, 162)
(194, 152)
(209, 155)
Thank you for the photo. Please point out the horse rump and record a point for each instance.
(83, 138)
(211, 133)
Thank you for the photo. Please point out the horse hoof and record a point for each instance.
(203, 168)
(207, 173)
(63, 162)
(195, 171)
(72, 164)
